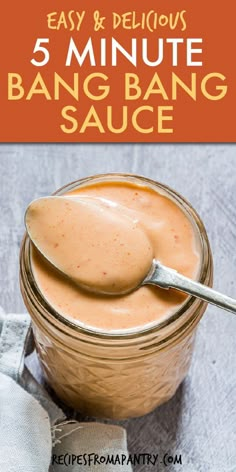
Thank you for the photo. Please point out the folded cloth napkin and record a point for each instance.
(34, 433)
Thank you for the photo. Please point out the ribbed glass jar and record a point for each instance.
(122, 374)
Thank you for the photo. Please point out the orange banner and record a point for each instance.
(117, 71)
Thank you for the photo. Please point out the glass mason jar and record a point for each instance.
(123, 374)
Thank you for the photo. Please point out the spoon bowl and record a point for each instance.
(90, 242)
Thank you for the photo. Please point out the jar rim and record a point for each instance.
(31, 286)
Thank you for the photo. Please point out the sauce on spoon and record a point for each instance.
(91, 241)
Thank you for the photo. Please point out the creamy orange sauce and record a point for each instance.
(92, 241)
(169, 233)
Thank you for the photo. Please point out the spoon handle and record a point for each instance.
(169, 278)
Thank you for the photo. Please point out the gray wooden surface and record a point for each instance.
(200, 421)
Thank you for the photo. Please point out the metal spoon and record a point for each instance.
(166, 278)
(158, 274)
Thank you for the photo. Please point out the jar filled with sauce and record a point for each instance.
(120, 356)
